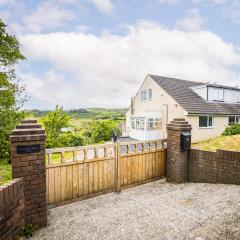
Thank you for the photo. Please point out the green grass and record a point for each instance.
(5, 172)
(231, 143)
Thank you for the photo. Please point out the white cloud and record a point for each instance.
(169, 2)
(192, 22)
(48, 16)
(106, 70)
(218, 2)
(105, 6)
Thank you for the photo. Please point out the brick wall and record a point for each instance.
(31, 167)
(11, 209)
(214, 167)
(176, 159)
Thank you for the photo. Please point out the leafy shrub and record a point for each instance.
(232, 130)
(29, 230)
(67, 139)
(100, 131)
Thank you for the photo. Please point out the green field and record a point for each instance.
(222, 142)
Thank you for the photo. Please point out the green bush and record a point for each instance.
(67, 139)
(232, 130)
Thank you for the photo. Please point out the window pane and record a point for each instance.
(149, 94)
(133, 123)
(210, 122)
(220, 94)
(145, 95)
(231, 120)
(150, 124)
(238, 120)
(203, 121)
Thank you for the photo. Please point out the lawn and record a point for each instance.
(222, 142)
(5, 172)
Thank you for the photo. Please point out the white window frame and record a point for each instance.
(154, 122)
(208, 117)
(146, 95)
(236, 120)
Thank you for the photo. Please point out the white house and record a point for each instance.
(209, 108)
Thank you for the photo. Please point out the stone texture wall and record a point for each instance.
(11, 209)
(214, 167)
(176, 170)
(31, 167)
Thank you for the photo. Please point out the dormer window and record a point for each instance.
(218, 93)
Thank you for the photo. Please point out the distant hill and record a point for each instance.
(92, 113)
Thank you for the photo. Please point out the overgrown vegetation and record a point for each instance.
(5, 171)
(29, 230)
(11, 98)
(232, 130)
(231, 143)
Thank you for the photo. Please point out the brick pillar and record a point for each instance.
(176, 159)
(28, 161)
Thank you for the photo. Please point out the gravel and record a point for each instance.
(156, 210)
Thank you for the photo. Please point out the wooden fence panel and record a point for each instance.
(80, 172)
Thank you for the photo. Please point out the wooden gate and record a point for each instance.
(76, 173)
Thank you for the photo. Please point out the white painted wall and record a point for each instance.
(201, 134)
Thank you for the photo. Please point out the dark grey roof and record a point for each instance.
(181, 91)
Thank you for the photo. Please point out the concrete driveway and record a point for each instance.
(156, 210)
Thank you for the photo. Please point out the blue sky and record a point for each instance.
(96, 53)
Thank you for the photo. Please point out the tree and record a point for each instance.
(11, 98)
(100, 131)
(55, 121)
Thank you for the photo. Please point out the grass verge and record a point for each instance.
(231, 143)
(5, 172)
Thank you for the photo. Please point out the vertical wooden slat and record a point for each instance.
(110, 173)
(47, 184)
(69, 182)
(86, 178)
(64, 182)
(125, 160)
(95, 176)
(51, 186)
(105, 174)
(75, 181)
(100, 169)
(140, 168)
(129, 170)
(118, 167)
(90, 177)
(57, 180)
(80, 180)
(154, 174)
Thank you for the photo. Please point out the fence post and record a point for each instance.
(28, 162)
(118, 169)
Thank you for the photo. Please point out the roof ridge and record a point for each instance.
(172, 78)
